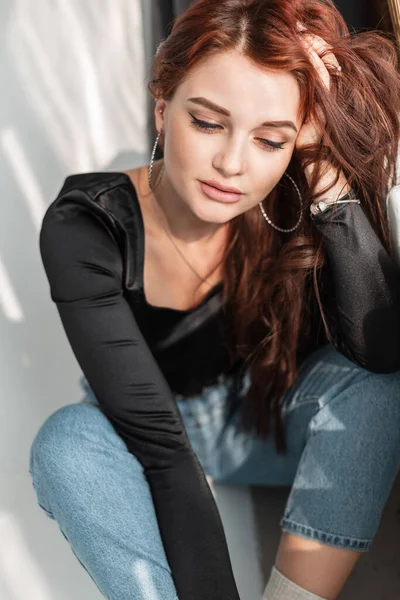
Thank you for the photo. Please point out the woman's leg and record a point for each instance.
(96, 490)
(343, 434)
(348, 467)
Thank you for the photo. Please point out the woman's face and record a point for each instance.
(249, 141)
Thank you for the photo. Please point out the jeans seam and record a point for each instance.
(323, 536)
(310, 400)
(36, 487)
(48, 513)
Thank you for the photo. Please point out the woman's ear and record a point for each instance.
(159, 113)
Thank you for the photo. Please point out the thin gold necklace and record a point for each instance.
(202, 279)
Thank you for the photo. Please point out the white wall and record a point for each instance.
(73, 99)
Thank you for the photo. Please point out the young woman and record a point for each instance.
(235, 310)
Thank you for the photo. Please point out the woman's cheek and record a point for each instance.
(182, 140)
(274, 172)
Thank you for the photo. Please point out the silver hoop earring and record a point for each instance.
(266, 217)
(152, 163)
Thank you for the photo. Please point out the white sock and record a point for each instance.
(280, 587)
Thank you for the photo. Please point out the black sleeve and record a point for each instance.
(366, 289)
(84, 267)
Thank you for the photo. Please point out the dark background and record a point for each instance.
(359, 14)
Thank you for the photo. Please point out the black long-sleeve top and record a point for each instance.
(137, 357)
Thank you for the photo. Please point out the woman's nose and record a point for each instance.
(231, 159)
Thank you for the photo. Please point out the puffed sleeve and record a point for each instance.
(84, 267)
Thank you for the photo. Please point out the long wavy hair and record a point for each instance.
(271, 279)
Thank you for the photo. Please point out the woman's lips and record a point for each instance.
(219, 195)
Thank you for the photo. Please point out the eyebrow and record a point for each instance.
(223, 111)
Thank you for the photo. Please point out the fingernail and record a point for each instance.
(300, 27)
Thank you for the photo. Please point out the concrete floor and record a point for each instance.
(377, 574)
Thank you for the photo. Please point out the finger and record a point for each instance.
(324, 51)
(320, 67)
(300, 26)
(322, 58)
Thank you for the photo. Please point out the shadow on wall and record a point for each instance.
(70, 104)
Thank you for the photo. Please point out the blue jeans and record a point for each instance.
(342, 428)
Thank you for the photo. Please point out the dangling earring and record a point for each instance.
(152, 163)
(266, 217)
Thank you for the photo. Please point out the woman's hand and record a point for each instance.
(311, 132)
(316, 47)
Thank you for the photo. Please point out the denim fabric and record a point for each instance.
(342, 428)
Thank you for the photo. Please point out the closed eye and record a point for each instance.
(212, 127)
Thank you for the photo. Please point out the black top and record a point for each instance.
(92, 247)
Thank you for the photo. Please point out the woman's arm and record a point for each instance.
(84, 268)
(366, 285)
(365, 304)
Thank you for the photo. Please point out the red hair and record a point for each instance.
(271, 278)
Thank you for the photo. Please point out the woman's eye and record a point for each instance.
(268, 145)
(204, 125)
(272, 145)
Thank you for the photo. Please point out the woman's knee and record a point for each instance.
(56, 442)
(351, 459)
(70, 447)
(360, 425)
(364, 399)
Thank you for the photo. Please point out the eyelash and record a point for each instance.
(209, 127)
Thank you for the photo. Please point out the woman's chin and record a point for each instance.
(214, 212)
